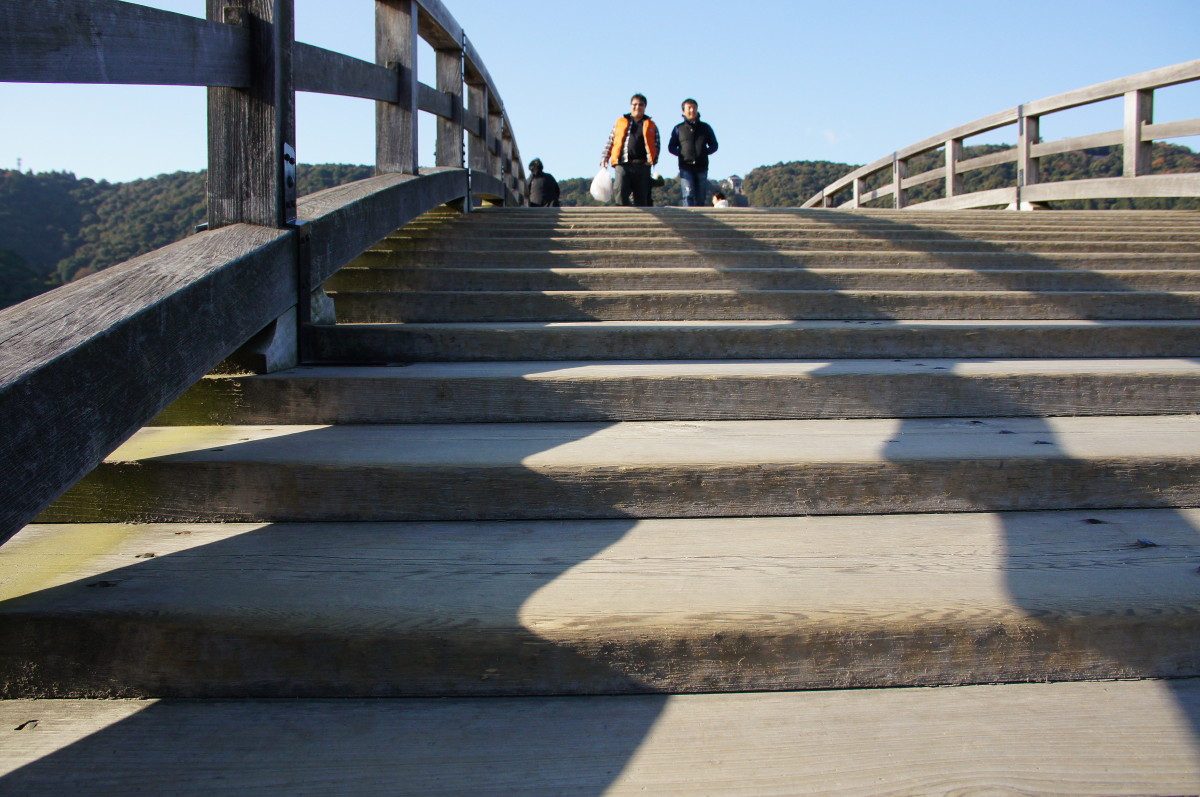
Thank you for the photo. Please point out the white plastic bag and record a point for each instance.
(602, 186)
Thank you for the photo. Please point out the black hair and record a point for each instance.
(685, 102)
(641, 97)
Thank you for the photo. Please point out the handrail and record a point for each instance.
(1138, 134)
(84, 366)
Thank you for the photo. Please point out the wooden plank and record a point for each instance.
(478, 159)
(670, 604)
(978, 199)
(328, 72)
(1139, 111)
(396, 123)
(1155, 78)
(954, 157)
(930, 176)
(435, 102)
(213, 290)
(1076, 143)
(438, 26)
(1155, 185)
(1185, 127)
(448, 151)
(347, 219)
(248, 129)
(485, 185)
(983, 161)
(1116, 738)
(981, 125)
(136, 335)
(476, 67)
(104, 41)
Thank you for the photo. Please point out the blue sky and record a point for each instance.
(779, 80)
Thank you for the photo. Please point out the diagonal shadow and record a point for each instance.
(423, 560)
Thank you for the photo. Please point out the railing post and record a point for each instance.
(1139, 111)
(449, 151)
(396, 123)
(252, 131)
(494, 138)
(899, 172)
(954, 154)
(477, 141)
(1028, 134)
(857, 192)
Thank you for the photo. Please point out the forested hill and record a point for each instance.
(55, 227)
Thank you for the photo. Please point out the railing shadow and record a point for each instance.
(1057, 600)
(389, 609)
(441, 584)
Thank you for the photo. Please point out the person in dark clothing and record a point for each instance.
(692, 141)
(632, 148)
(541, 190)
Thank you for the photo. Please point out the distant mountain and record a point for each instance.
(55, 228)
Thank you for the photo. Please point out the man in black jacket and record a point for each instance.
(541, 190)
(692, 141)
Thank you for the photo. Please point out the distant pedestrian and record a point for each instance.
(692, 141)
(719, 200)
(541, 190)
(633, 147)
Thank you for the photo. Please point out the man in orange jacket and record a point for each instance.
(633, 147)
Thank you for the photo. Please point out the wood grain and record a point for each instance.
(1115, 738)
(587, 607)
(328, 72)
(104, 41)
(83, 366)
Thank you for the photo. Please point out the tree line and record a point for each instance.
(55, 227)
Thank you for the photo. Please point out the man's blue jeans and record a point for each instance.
(693, 186)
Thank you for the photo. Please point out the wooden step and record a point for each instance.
(749, 304)
(681, 390)
(639, 469)
(599, 607)
(1113, 738)
(926, 245)
(633, 256)
(801, 235)
(426, 278)
(720, 340)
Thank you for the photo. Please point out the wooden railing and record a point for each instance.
(1137, 136)
(84, 366)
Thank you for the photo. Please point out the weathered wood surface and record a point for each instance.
(249, 128)
(1107, 139)
(83, 366)
(485, 185)
(582, 391)
(639, 469)
(396, 123)
(328, 72)
(671, 605)
(1136, 135)
(1152, 79)
(104, 41)
(435, 102)
(347, 219)
(1115, 738)
(137, 335)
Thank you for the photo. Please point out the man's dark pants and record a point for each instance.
(632, 184)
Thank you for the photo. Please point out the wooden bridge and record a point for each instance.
(660, 500)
